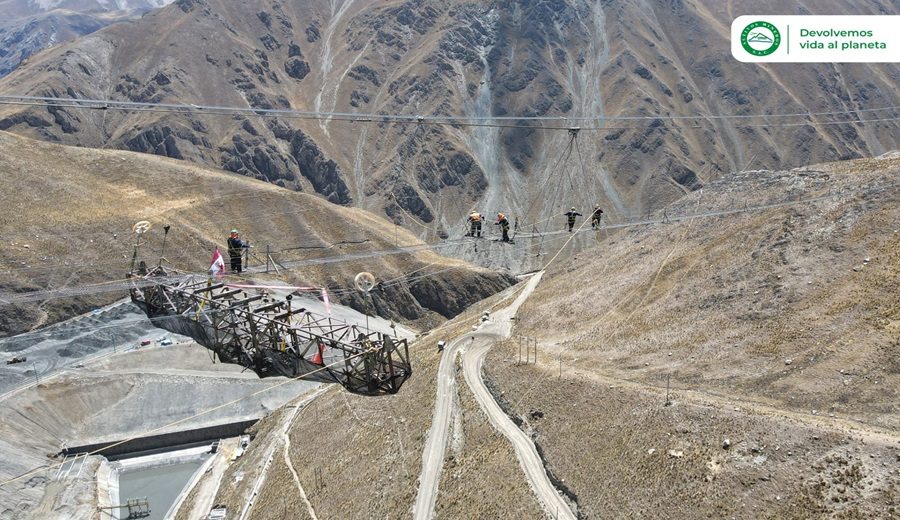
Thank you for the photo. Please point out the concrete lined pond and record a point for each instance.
(160, 478)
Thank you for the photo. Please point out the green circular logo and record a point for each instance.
(760, 38)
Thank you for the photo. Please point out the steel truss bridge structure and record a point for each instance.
(269, 336)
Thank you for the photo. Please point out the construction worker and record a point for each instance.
(570, 218)
(595, 217)
(236, 248)
(474, 221)
(504, 226)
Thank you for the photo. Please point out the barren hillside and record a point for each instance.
(69, 212)
(796, 305)
(776, 329)
(653, 59)
(777, 333)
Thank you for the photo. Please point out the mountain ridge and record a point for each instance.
(562, 59)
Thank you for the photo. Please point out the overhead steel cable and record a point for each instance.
(569, 239)
(447, 122)
(254, 394)
(120, 285)
(459, 121)
(110, 104)
(45, 267)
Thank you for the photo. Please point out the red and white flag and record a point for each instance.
(325, 300)
(217, 267)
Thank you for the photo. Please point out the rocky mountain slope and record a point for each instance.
(69, 212)
(30, 26)
(654, 59)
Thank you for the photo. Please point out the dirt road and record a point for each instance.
(474, 346)
(500, 327)
(531, 463)
(436, 443)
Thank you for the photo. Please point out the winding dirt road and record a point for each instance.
(474, 346)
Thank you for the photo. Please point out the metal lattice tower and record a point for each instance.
(270, 337)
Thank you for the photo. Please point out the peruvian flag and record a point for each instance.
(217, 267)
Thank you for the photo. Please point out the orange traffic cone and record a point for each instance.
(317, 359)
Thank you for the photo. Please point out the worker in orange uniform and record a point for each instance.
(474, 221)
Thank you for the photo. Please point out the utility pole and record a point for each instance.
(268, 256)
(165, 236)
(668, 401)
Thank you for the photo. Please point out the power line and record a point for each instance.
(462, 121)
(261, 391)
(56, 266)
(326, 367)
(121, 285)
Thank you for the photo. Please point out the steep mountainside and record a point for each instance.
(740, 366)
(30, 26)
(68, 214)
(663, 61)
(794, 304)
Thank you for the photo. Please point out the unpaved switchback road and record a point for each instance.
(474, 346)
(473, 359)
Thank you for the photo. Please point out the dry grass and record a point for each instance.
(729, 299)
(598, 435)
(68, 214)
(722, 303)
(279, 497)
